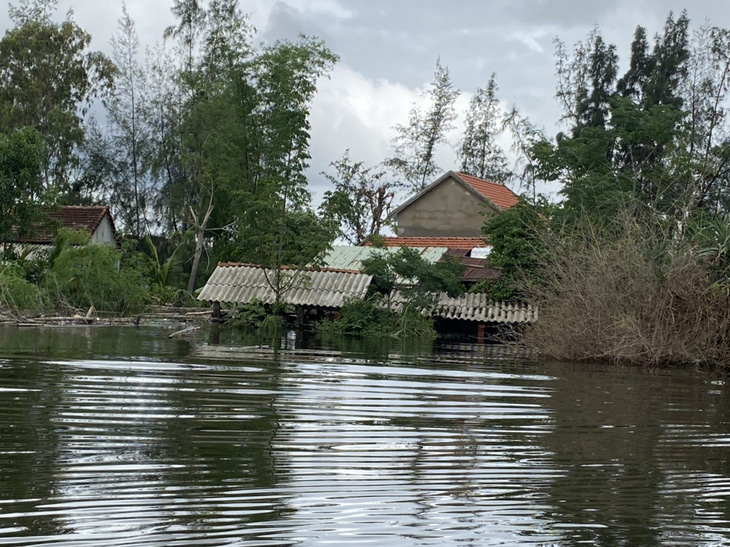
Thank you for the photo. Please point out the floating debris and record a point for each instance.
(187, 331)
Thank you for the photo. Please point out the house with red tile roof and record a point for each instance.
(455, 205)
(96, 220)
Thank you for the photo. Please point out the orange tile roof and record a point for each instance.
(449, 242)
(499, 194)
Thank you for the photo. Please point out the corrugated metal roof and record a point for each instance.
(476, 307)
(350, 257)
(238, 283)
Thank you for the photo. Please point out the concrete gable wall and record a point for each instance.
(448, 209)
(104, 232)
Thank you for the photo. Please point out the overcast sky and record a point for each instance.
(388, 50)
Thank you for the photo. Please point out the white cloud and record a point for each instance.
(319, 7)
(388, 49)
(359, 113)
(352, 111)
(530, 38)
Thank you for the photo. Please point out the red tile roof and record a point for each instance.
(75, 217)
(449, 242)
(499, 194)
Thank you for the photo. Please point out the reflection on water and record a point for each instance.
(124, 437)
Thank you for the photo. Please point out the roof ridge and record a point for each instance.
(463, 174)
(262, 267)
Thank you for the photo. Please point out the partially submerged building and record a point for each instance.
(432, 250)
(311, 292)
(442, 222)
(475, 316)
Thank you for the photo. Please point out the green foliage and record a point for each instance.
(363, 317)
(123, 166)
(417, 283)
(276, 226)
(65, 239)
(272, 324)
(710, 235)
(236, 160)
(21, 158)
(627, 135)
(517, 248)
(161, 274)
(302, 238)
(480, 154)
(90, 275)
(48, 80)
(417, 280)
(371, 317)
(416, 143)
(16, 292)
(252, 314)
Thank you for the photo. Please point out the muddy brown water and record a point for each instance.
(121, 436)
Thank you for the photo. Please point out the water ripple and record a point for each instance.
(346, 451)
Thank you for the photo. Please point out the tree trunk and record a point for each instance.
(199, 239)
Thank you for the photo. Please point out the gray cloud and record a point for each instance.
(388, 50)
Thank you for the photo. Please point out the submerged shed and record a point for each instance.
(477, 307)
(476, 316)
(235, 283)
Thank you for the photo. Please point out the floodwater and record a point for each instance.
(121, 436)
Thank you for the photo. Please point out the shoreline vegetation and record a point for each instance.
(94, 318)
(625, 291)
(202, 152)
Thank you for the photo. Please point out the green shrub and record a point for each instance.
(272, 324)
(369, 317)
(252, 314)
(16, 292)
(90, 275)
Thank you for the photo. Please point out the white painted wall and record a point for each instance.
(104, 233)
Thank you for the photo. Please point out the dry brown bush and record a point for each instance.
(629, 299)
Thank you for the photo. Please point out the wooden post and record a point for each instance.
(216, 310)
(481, 332)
